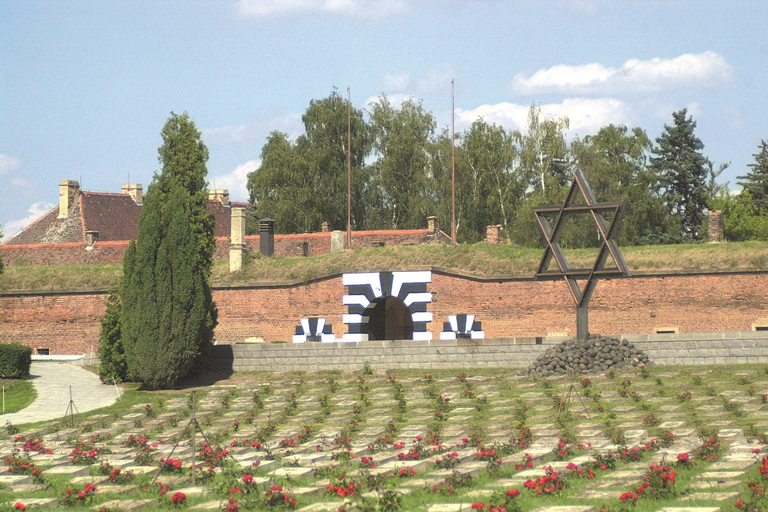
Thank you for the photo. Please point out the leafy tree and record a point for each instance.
(2, 268)
(111, 349)
(168, 314)
(324, 148)
(682, 171)
(756, 180)
(544, 172)
(282, 187)
(742, 220)
(401, 140)
(493, 187)
(614, 162)
(317, 164)
(543, 151)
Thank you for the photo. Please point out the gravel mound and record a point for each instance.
(596, 355)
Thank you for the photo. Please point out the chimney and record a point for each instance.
(494, 235)
(219, 194)
(267, 237)
(431, 225)
(715, 227)
(91, 237)
(135, 191)
(69, 191)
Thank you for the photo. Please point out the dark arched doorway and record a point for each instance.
(389, 319)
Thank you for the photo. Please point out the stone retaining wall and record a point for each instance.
(668, 349)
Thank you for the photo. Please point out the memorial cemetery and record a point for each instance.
(583, 424)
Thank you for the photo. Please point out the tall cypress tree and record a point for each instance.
(756, 180)
(682, 171)
(168, 312)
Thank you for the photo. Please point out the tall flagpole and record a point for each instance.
(453, 161)
(349, 168)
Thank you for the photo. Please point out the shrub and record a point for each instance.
(15, 360)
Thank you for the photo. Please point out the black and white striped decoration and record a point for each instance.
(462, 326)
(364, 288)
(314, 329)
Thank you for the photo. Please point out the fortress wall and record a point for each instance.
(67, 322)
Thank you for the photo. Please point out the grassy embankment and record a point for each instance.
(477, 260)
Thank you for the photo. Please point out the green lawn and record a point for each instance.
(18, 395)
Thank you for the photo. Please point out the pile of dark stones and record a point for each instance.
(595, 356)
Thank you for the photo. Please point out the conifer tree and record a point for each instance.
(756, 180)
(168, 313)
(682, 172)
(111, 350)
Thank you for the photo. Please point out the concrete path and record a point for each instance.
(52, 381)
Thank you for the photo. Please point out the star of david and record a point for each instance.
(607, 231)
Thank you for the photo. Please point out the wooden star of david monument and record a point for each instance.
(607, 230)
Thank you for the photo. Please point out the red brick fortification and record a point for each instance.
(68, 322)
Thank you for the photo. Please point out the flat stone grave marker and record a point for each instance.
(690, 509)
(68, 470)
(127, 505)
(33, 502)
(292, 472)
(566, 508)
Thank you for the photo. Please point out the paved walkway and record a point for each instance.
(52, 381)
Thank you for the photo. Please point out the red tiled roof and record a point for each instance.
(114, 216)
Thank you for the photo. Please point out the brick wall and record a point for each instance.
(75, 253)
(698, 349)
(68, 323)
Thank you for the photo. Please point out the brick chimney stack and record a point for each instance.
(69, 191)
(219, 194)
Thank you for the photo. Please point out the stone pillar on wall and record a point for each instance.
(431, 225)
(715, 227)
(325, 227)
(237, 240)
(337, 241)
(69, 192)
(494, 235)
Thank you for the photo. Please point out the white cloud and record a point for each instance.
(395, 100)
(357, 8)
(585, 115)
(708, 69)
(397, 83)
(236, 180)
(436, 79)
(252, 133)
(37, 210)
(9, 163)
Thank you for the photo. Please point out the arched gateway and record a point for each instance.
(387, 306)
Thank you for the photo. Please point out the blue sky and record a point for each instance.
(86, 86)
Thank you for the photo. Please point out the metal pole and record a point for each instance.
(194, 433)
(349, 168)
(582, 322)
(453, 162)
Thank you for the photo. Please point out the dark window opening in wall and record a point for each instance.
(43, 351)
(760, 327)
(666, 330)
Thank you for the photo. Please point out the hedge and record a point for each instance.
(15, 360)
